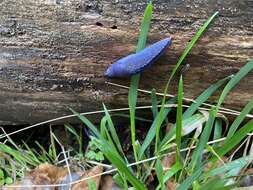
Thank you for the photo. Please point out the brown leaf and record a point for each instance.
(170, 184)
(51, 172)
(106, 182)
(169, 127)
(167, 163)
(83, 185)
(44, 174)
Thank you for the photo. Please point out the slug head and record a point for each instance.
(117, 69)
(109, 71)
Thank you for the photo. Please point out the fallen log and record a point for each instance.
(54, 53)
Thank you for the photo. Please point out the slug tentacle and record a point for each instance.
(137, 62)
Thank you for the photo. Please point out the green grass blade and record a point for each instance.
(78, 137)
(191, 44)
(151, 134)
(105, 136)
(145, 25)
(44, 153)
(17, 155)
(203, 97)
(214, 184)
(235, 139)
(189, 181)
(238, 76)
(117, 161)
(152, 131)
(172, 171)
(133, 92)
(239, 119)
(195, 162)
(92, 127)
(120, 180)
(132, 98)
(217, 129)
(159, 174)
(179, 119)
(154, 103)
(113, 131)
(71, 130)
(105, 133)
(32, 155)
(103, 128)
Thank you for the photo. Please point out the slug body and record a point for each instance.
(137, 62)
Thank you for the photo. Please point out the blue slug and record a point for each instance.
(137, 62)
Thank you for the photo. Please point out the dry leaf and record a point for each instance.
(44, 174)
(167, 163)
(106, 183)
(169, 127)
(83, 185)
(51, 172)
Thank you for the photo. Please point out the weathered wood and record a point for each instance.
(54, 53)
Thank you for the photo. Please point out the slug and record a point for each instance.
(137, 62)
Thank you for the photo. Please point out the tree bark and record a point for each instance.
(54, 52)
